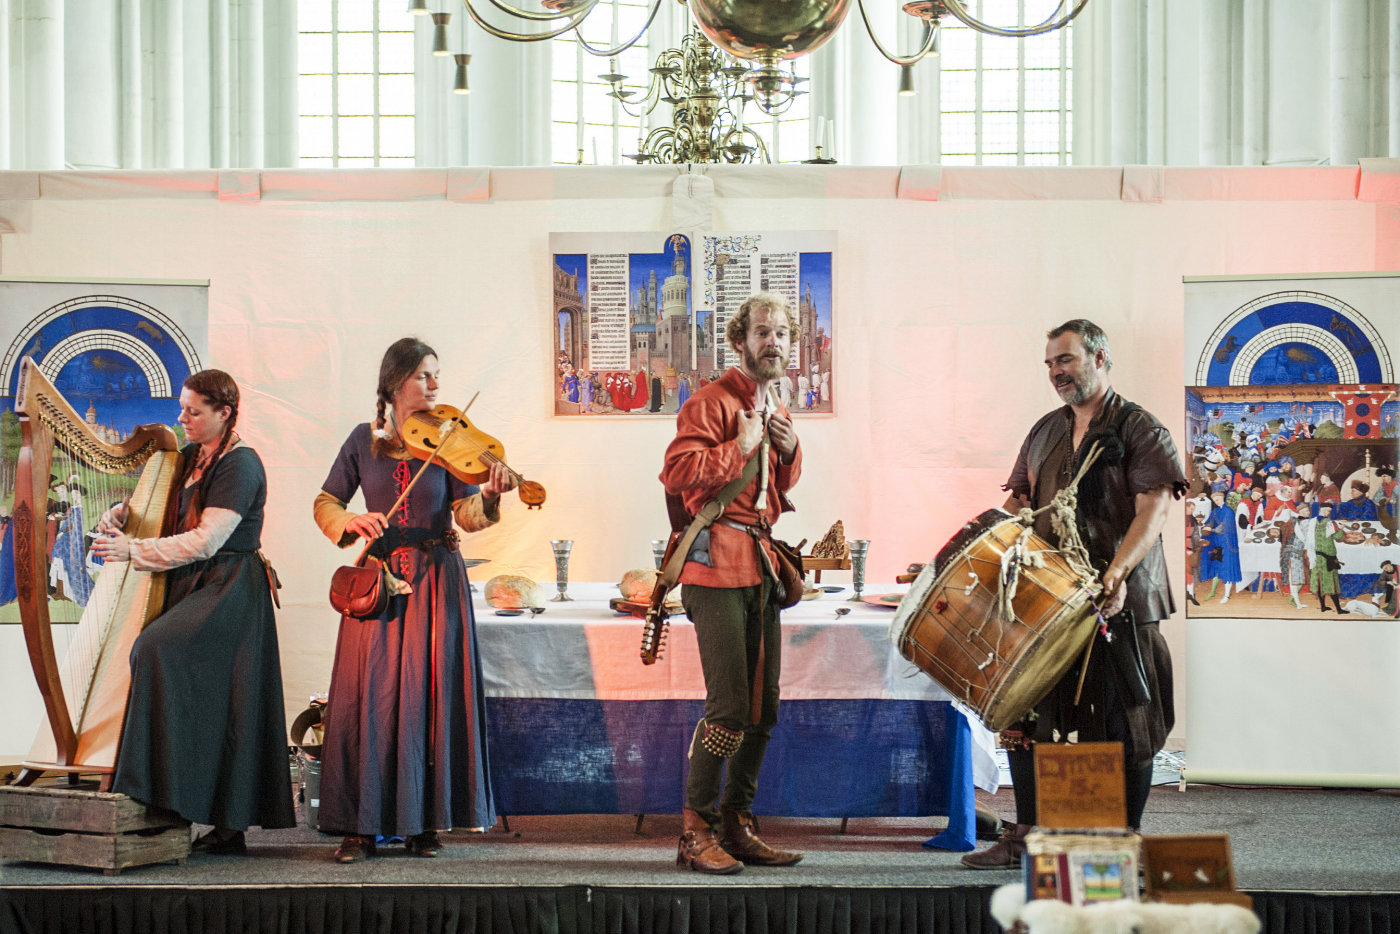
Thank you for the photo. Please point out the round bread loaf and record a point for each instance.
(637, 585)
(513, 592)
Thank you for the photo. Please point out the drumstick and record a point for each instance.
(1083, 670)
(1084, 665)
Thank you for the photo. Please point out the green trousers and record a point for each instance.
(731, 623)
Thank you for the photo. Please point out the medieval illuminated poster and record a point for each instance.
(1293, 421)
(639, 319)
(118, 352)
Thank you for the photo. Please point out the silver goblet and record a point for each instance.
(658, 551)
(859, 548)
(561, 547)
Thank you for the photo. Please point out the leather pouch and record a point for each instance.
(360, 590)
(789, 572)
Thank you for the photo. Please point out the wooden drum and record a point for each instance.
(949, 626)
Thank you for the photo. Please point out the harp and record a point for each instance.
(85, 695)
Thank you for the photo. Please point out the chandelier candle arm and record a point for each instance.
(556, 10)
(925, 47)
(570, 17)
(517, 36)
(1050, 24)
(618, 50)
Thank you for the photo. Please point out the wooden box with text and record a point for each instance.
(1080, 786)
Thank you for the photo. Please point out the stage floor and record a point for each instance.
(1283, 840)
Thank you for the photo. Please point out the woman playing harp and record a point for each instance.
(205, 724)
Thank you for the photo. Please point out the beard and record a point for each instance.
(1076, 389)
(764, 367)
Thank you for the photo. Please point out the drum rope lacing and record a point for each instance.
(1062, 520)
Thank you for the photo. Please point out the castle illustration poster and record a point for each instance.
(639, 319)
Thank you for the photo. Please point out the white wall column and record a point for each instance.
(92, 77)
(1348, 82)
(1214, 19)
(1092, 57)
(1393, 85)
(508, 110)
(167, 91)
(1254, 91)
(1296, 87)
(197, 85)
(7, 106)
(131, 100)
(280, 87)
(221, 72)
(1125, 127)
(38, 130)
(869, 109)
(246, 21)
(1154, 77)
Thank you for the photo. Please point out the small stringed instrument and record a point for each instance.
(466, 451)
(657, 621)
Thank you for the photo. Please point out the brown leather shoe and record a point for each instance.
(354, 848)
(1006, 853)
(700, 850)
(740, 842)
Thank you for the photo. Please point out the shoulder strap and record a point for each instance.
(671, 572)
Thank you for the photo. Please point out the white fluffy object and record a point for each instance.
(1046, 916)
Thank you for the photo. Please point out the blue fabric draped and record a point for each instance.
(827, 758)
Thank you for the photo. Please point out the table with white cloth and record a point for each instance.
(578, 725)
(1357, 560)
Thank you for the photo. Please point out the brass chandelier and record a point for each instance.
(708, 92)
(738, 52)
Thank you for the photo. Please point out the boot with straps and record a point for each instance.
(740, 841)
(699, 848)
(1006, 853)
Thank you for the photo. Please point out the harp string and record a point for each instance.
(83, 591)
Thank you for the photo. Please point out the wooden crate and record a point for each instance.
(80, 827)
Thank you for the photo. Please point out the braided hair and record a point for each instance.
(218, 390)
(400, 362)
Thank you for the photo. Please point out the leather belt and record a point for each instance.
(762, 531)
(449, 540)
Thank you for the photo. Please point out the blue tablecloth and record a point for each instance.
(577, 725)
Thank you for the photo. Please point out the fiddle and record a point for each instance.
(462, 448)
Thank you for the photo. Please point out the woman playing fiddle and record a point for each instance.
(205, 731)
(404, 751)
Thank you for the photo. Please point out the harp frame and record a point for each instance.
(45, 416)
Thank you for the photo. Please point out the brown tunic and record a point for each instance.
(1149, 460)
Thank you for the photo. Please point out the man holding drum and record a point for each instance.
(1122, 505)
